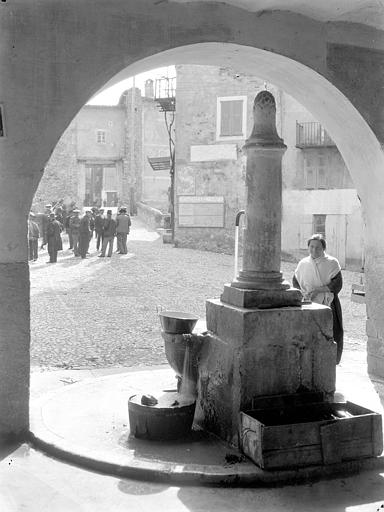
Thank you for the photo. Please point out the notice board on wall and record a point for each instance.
(201, 211)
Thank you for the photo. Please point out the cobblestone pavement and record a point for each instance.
(102, 312)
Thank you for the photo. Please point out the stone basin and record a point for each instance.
(177, 322)
(170, 418)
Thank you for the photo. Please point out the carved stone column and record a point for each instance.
(260, 282)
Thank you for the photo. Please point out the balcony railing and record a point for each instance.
(165, 93)
(312, 135)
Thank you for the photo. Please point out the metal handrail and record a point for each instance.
(312, 134)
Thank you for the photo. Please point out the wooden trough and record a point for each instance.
(280, 436)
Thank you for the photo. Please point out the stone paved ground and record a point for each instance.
(102, 312)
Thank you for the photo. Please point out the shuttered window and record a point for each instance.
(231, 117)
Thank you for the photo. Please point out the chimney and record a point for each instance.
(149, 90)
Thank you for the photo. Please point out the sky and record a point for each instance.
(112, 95)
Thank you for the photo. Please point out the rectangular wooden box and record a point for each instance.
(296, 435)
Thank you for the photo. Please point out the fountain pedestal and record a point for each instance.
(258, 352)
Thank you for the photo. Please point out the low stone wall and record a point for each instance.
(206, 239)
(151, 216)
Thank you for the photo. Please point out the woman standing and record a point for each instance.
(319, 277)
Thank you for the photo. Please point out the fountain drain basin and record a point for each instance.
(162, 421)
(313, 434)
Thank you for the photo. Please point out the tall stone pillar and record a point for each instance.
(16, 190)
(261, 340)
(260, 281)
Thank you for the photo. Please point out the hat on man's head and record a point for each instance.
(94, 209)
(48, 206)
(75, 211)
(52, 214)
(109, 212)
(123, 209)
(31, 214)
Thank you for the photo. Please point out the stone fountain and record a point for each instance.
(262, 342)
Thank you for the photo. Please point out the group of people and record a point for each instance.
(80, 230)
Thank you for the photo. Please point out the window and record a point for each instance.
(100, 136)
(318, 224)
(231, 117)
(315, 175)
(321, 178)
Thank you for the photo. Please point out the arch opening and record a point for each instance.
(292, 77)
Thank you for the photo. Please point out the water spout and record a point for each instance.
(237, 223)
(188, 379)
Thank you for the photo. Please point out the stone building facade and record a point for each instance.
(214, 118)
(102, 157)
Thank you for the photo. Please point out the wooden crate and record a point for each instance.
(300, 435)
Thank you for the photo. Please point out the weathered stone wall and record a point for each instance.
(196, 125)
(151, 216)
(61, 174)
(253, 353)
(64, 174)
(359, 71)
(14, 350)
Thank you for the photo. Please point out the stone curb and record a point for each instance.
(242, 474)
(208, 475)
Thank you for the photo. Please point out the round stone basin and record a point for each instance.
(177, 322)
(170, 418)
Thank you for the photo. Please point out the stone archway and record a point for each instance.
(60, 54)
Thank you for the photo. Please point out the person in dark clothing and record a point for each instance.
(64, 215)
(59, 216)
(123, 224)
(319, 277)
(99, 225)
(44, 223)
(84, 234)
(53, 238)
(33, 237)
(71, 209)
(74, 227)
(92, 221)
(109, 233)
